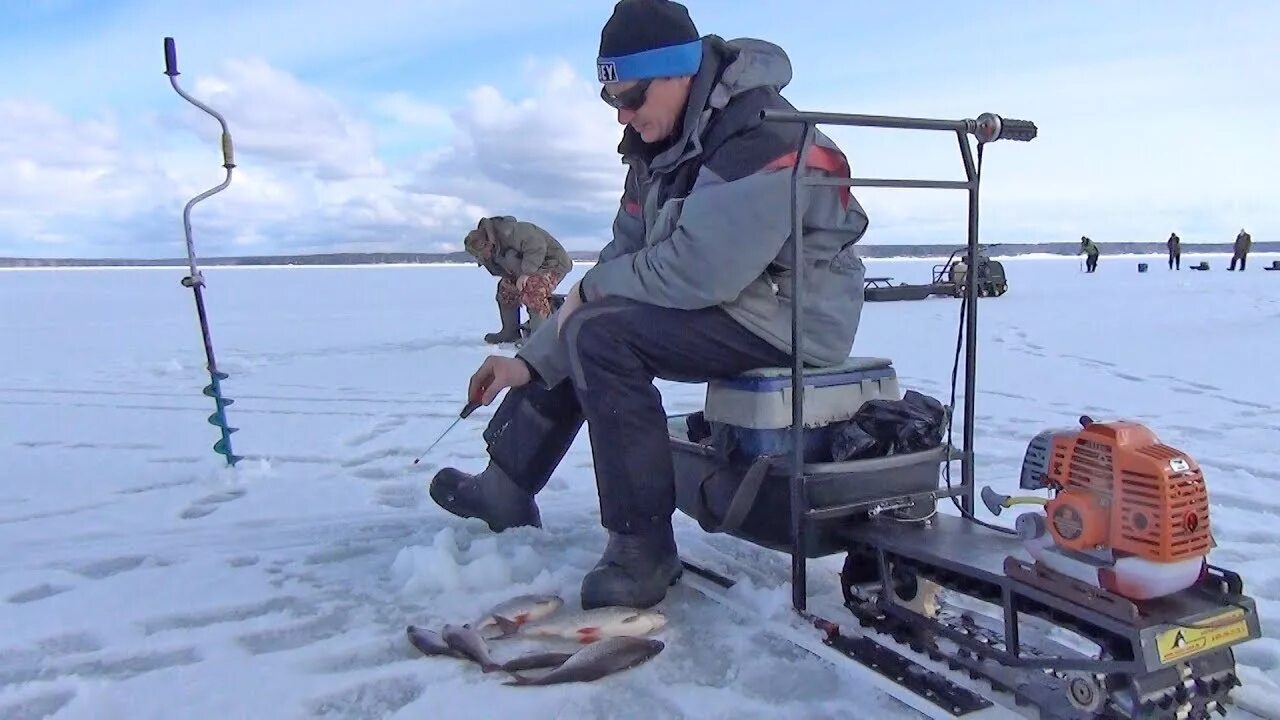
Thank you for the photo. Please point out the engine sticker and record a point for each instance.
(1183, 642)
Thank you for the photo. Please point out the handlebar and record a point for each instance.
(988, 127)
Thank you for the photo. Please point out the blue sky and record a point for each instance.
(394, 125)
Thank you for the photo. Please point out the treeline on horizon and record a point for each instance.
(399, 258)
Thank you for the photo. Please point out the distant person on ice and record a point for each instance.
(528, 262)
(687, 290)
(1175, 251)
(1241, 249)
(1090, 250)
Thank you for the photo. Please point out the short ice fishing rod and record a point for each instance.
(195, 280)
(473, 403)
(466, 412)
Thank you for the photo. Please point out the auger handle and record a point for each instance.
(170, 57)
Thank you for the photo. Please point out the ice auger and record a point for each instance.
(195, 280)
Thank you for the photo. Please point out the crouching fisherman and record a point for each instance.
(695, 285)
(1090, 250)
(528, 262)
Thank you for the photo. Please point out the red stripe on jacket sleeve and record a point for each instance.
(820, 158)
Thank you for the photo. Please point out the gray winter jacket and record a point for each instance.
(522, 248)
(707, 220)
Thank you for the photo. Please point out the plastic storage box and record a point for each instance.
(750, 414)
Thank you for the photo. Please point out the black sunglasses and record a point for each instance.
(630, 99)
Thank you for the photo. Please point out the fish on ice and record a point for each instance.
(536, 661)
(509, 616)
(468, 643)
(431, 643)
(599, 623)
(597, 660)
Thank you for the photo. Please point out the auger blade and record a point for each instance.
(219, 420)
(223, 447)
(215, 391)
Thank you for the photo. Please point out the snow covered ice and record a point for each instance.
(141, 578)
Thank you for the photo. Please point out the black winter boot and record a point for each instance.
(490, 496)
(635, 571)
(510, 332)
(529, 434)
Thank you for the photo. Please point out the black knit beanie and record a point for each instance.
(638, 27)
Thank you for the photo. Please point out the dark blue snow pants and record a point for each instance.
(616, 349)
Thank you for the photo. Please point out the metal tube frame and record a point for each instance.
(800, 514)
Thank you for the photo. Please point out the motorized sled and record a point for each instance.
(1113, 551)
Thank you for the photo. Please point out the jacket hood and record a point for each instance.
(755, 63)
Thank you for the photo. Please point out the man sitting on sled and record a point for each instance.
(696, 284)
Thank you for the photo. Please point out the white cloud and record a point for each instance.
(308, 175)
(551, 154)
(52, 166)
(280, 118)
(404, 109)
(308, 178)
(1128, 150)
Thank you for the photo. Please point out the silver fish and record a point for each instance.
(429, 642)
(535, 661)
(468, 642)
(597, 660)
(599, 623)
(507, 617)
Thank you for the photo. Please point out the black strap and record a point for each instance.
(743, 499)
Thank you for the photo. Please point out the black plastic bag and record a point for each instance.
(851, 442)
(914, 423)
(699, 428)
(886, 427)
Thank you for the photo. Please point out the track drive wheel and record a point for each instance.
(860, 569)
(1085, 692)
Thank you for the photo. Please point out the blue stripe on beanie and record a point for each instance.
(670, 61)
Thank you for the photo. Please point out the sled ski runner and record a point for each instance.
(943, 680)
(1099, 603)
(913, 681)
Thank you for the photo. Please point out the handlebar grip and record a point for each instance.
(1021, 130)
(989, 127)
(170, 57)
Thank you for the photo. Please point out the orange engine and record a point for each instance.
(1117, 487)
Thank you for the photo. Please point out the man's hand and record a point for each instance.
(495, 374)
(572, 301)
(520, 281)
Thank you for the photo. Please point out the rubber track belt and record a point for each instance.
(910, 674)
